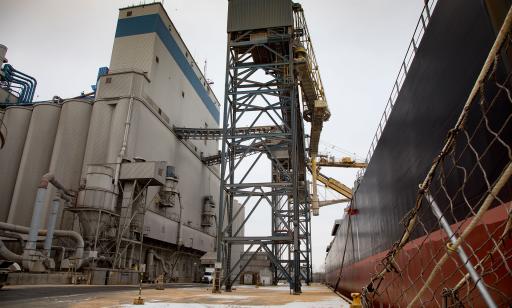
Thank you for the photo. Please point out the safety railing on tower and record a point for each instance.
(419, 31)
(456, 246)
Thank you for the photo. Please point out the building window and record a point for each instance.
(157, 60)
(183, 94)
(108, 80)
(129, 13)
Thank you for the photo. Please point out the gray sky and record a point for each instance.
(359, 45)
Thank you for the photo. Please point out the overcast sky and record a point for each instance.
(359, 46)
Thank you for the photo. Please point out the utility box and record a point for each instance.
(151, 173)
(259, 14)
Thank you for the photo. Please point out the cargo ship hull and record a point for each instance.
(447, 63)
(359, 274)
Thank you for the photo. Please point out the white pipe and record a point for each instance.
(161, 260)
(489, 301)
(50, 178)
(124, 145)
(36, 213)
(30, 247)
(52, 220)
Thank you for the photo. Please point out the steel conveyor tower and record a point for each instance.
(269, 56)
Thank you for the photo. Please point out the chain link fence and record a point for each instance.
(456, 247)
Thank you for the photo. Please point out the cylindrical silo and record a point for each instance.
(3, 51)
(35, 161)
(68, 150)
(3, 130)
(98, 137)
(16, 119)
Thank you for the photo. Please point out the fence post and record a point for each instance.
(460, 251)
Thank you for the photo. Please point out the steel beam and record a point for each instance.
(262, 115)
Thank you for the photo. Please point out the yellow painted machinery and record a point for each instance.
(344, 190)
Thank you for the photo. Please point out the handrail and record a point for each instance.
(421, 26)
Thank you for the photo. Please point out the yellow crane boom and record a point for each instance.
(315, 110)
(344, 190)
(335, 185)
(344, 162)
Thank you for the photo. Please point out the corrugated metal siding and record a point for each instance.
(258, 14)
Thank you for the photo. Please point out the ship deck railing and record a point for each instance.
(414, 43)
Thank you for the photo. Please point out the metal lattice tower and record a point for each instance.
(262, 90)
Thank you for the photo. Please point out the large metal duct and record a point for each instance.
(34, 161)
(79, 252)
(162, 261)
(9, 255)
(79, 247)
(68, 150)
(17, 120)
(5, 252)
(97, 194)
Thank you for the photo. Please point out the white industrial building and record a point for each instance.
(126, 177)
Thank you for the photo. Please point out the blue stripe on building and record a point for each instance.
(153, 23)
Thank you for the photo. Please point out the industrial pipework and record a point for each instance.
(32, 259)
(124, 144)
(79, 249)
(19, 84)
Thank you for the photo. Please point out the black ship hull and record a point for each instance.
(447, 62)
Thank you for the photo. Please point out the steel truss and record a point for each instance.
(262, 91)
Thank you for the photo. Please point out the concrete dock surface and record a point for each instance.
(188, 295)
(316, 295)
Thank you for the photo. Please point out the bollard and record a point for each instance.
(160, 282)
(356, 300)
(139, 300)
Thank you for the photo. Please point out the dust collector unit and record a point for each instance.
(168, 192)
